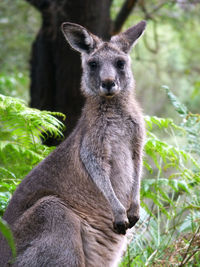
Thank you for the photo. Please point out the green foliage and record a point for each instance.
(4, 228)
(168, 53)
(21, 130)
(14, 85)
(190, 123)
(19, 23)
(169, 193)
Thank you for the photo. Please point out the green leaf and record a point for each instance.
(183, 185)
(174, 184)
(179, 107)
(7, 233)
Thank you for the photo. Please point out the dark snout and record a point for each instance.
(108, 87)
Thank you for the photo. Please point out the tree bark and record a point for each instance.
(55, 67)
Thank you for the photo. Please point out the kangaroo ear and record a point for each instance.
(79, 38)
(129, 38)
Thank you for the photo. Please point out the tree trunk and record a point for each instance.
(55, 67)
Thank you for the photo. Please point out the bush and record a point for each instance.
(21, 148)
(168, 232)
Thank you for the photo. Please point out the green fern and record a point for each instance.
(170, 190)
(5, 229)
(21, 130)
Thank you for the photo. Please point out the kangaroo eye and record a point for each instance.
(93, 65)
(120, 64)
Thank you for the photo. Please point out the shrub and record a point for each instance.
(168, 231)
(21, 148)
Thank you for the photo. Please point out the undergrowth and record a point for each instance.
(168, 232)
(21, 148)
(21, 132)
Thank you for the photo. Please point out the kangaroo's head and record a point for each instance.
(106, 65)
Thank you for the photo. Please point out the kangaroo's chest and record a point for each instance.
(121, 135)
(122, 172)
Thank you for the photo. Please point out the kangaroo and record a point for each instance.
(74, 208)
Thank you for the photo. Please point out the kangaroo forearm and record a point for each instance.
(137, 177)
(134, 208)
(137, 171)
(100, 176)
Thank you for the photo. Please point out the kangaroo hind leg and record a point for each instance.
(48, 234)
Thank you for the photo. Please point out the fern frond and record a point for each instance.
(21, 129)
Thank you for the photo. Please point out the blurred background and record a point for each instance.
(168, 53)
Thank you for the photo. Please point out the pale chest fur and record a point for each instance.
(122, 166)
(117, 131)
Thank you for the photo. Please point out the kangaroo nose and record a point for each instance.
(108, 84)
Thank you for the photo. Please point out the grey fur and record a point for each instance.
(74, 208)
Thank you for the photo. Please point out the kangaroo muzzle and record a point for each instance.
(108, 87)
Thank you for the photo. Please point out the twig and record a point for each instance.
(152, 50)
(123, 14)
(185, 258)
(159, 6)
(150, 257)
(143, 8)
(148, 14)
